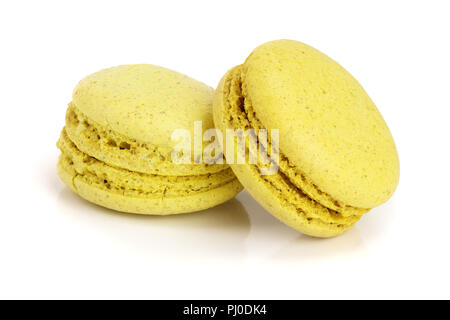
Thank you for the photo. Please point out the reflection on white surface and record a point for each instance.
(303, 247)
(238, 228)
(221, 230)
(235, 250)
(272, 241)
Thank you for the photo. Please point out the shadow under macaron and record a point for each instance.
(356, 242)
(222, 229)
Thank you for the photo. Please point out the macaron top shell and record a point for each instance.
(329, 128)
(144, 102)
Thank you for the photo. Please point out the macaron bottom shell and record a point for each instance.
(141, 193)
(305, 219)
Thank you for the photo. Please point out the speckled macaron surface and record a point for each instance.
(116, 144)
(337, 156)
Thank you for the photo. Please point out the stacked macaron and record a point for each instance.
(337, 158)
(116, 144)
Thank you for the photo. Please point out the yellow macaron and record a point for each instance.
(337, 157)
(116, 144)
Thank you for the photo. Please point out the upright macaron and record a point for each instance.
(337, 157)
(116, 144)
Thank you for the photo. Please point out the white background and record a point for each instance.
(55, 245)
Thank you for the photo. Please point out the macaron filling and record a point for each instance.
(118, 150)
(96, 173)
(293, 188)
